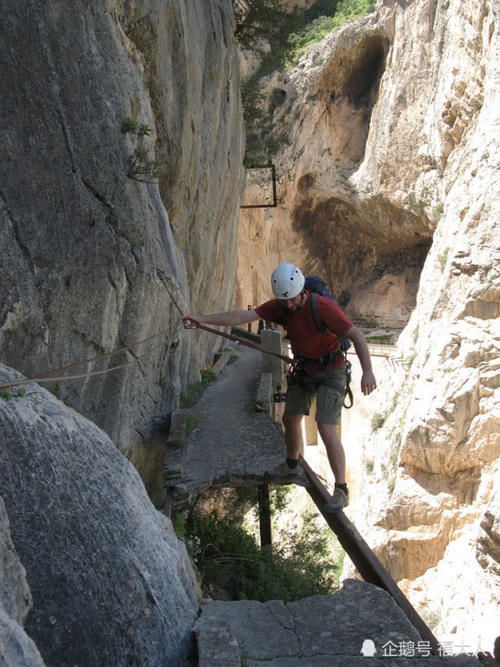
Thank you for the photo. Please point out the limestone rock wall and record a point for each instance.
(110, 582)
(370, 247)
(388, 186)
(15, 602)
(440, 436)
(91, 246)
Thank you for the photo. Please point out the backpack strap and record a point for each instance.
(320, 325)
(345, 344)
(322, 328)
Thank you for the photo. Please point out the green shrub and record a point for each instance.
(336, 14)
(192, 422)
(207, 377)
(16, 393)
(194, 391)
(129, 125)
(262, 20)
(134, 127)
(228, 557)
(144, 169)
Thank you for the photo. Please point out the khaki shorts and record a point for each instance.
(329, 388)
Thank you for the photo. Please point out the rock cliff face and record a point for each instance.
(123, 140)
(110, 582)
(102, 220)
(388, 186)
(369, 248)
(15, 602)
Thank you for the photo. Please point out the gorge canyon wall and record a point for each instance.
(123, 145)
(121, 171)
(443, 510)
(387, 185)
(122, 122)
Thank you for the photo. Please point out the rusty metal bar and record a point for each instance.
(273, 181)
(367, 564)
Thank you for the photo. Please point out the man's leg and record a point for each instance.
(328, 413)
(298, 402)
(334, 450)
(293, 439)
(293, 435)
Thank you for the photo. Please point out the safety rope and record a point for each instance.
(49, 375)
(69, 377)
(54, 375)
(190, 323)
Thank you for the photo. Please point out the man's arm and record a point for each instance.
(229, 319)
(368, 382)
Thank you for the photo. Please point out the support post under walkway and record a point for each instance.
(264, 515)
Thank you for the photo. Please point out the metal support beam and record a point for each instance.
(264, 515)
(367, 564)
(274, 202)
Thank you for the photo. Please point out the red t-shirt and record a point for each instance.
(305, 339)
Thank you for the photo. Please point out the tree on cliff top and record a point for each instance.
(260, 21)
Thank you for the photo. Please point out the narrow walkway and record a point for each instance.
(231, 443)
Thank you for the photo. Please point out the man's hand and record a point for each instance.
(190, 322)
(230, 319)
(368, 383)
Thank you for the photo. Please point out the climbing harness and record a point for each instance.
(297, 369)
(298, 374)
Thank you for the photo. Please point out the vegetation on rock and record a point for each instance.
(230, 561)
(279, 38)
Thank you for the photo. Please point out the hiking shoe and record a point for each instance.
(337, 502)
(283, 474)
(283, 470)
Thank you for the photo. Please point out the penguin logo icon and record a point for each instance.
(368, 649)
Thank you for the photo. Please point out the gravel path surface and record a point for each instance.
(232, 442)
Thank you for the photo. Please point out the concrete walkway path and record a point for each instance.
(231, 443)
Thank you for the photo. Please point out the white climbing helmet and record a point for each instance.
(287, 281)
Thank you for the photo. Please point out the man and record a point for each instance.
(323, 367)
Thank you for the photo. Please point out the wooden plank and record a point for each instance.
(367, 564)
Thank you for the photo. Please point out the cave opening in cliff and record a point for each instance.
(373, 270)
(362, 85)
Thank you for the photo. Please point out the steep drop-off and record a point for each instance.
(388, 187)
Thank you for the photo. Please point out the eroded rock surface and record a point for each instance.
(388, 187)
(16, 648)
(92, 245)
(110, 582)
